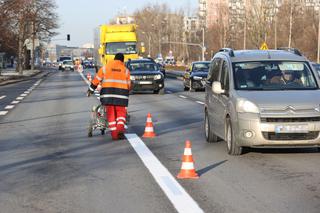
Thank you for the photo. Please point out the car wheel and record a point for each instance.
(210, 136)
(156, 91)
(232, 147)
(186, 88)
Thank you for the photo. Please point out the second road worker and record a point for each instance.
(114, 95)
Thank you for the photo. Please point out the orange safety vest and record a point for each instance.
(115, 82)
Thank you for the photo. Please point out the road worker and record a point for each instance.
(114, 95)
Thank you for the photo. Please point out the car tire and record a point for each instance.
(156, 91)
(186, 88)
(232, 146)
(209, 134)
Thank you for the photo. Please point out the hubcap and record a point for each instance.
(229, 137)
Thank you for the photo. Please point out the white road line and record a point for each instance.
(3, 112)
(181, 200)
(9, 107)
(23, 95)
(15, 102)
(181, 96)
(26, 92)
(2, 97)
(20, 98)
(199, 102)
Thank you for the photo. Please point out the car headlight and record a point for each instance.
(197, 78)
(244, 105)
(63, 66)
(157, 77)
(71, 67)
(132, 78)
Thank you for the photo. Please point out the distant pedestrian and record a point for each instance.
(114, 95)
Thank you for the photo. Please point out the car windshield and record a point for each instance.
(200, 67)
(68, 63)
(273, 75)
(64, 58)
(143, 66)
(121, 47)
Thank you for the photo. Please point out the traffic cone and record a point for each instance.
(187, 168)
(149, 131)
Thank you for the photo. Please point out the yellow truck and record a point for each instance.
(115, 39)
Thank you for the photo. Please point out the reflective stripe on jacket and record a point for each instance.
(115, 83)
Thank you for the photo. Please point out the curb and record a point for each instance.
(25, 78)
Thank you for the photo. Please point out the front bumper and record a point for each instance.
(265, 134)
(147, 85)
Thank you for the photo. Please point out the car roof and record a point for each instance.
(200, 62)
(141, 60)
(262, 55)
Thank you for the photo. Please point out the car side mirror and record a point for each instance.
(217, 88)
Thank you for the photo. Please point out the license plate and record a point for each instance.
(145, 82)
(292, 129)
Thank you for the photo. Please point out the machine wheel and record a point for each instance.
(90, 130)
(210, 136)
(232, 146)
(103, 131)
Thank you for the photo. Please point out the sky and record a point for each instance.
(80, 17)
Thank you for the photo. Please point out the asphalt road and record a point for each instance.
(48, 164)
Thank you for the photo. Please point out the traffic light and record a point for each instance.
(68, 37)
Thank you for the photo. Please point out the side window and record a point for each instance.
(224, 76)
(213, 74)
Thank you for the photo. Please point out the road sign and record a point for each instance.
(264, 46)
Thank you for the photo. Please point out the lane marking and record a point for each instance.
(15, 102)
(2, 97)
(180, 199)
(9, 107)
(181, 96)
(199, 102)
(20, 98)
(26, 92)
(3, 112)
(23, 95)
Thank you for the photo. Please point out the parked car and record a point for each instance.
(258, 98)
(146, 76)
(67, 65)
(195, 76)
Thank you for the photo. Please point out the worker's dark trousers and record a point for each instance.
(116, 116)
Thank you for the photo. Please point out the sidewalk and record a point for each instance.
(11, 76)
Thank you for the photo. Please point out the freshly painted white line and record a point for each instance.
(3, 112)
(9, 107)
(180, 199)
(2, 97)
(15, 102)
(26, 92)
(23, 95)
(20, 98)
(199, 102)
(181, 96)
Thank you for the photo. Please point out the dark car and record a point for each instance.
(146, 76)
(195, 76)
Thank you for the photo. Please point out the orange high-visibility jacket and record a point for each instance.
(115, 83)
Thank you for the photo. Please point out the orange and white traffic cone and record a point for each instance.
(149, 130)
(187, 168)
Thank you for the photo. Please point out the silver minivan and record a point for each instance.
(259, 98)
